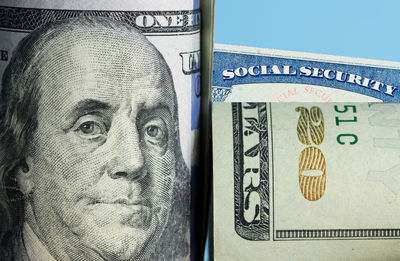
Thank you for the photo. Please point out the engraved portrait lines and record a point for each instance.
(99, 160)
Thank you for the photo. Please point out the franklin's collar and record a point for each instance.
(35, 249)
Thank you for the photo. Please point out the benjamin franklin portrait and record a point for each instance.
(90, 161)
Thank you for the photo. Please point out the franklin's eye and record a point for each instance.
(90, 127)
(155, 132)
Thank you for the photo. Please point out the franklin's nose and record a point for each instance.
(128, 161)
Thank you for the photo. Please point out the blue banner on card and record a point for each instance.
(277, 76)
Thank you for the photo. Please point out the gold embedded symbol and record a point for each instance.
(312, 187)
(310, 122)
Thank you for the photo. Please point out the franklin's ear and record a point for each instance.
(24, 176)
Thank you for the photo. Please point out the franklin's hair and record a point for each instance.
(19, 99)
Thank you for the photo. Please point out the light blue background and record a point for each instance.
(366, 29)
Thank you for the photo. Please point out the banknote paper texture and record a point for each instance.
(99, 117)
(306, 181)
(256, 75)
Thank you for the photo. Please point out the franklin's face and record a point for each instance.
(102, 159)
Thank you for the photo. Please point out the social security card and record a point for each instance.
(258, 75)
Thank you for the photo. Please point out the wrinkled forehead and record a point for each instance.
(119, 50)
(108, 63)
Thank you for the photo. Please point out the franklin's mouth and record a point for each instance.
(125, 201)
(122, 201)
(133, 213)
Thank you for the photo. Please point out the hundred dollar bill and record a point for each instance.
(256, 75)
(306, 181)
(99, 117)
